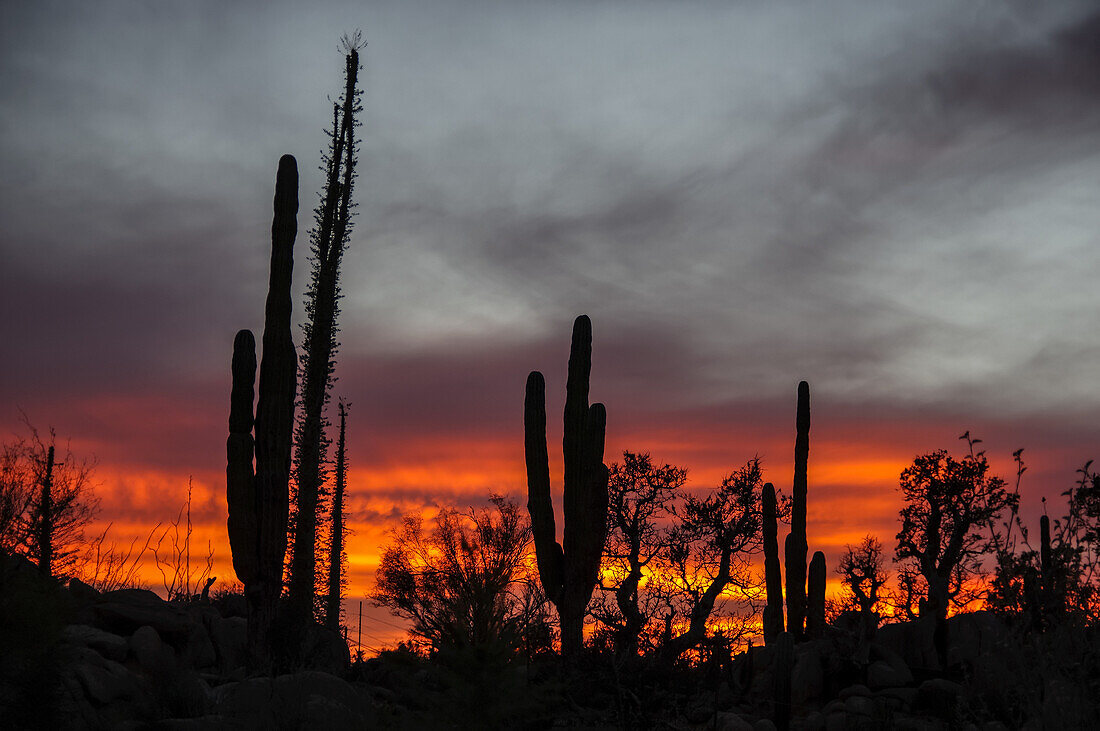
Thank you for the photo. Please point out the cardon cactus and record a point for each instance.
(569, 571)
(815, 598)
(258, 498)
(795, 546)
(773, 612)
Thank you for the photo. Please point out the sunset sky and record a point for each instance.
(895, 201)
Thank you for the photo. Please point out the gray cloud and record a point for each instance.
(894, 202)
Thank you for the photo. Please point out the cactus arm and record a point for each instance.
(815, 598)
(548, 552)
(773, 612)
(239, 447)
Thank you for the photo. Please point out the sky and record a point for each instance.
(894, 201)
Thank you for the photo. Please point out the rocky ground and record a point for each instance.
(76, 658)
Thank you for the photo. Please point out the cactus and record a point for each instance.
(258, 500)
(569, 570)
(781, 690)
(815, 598)
(773, 612)
(795, 546)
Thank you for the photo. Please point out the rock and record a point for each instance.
(814, 721)
(81, 592)
(938, 697)
(151, 655)
(230, 640)
(904, 722)
(109, 645)
(700, 707)
(289, 701)
(326, 651)
(105, 681)
(125, 610)
(727, 721)
(202, 723)
(881, 674)
(763, 724)
(251, 700)
(199, 652)
(854, 690)
(807, 677)
(860, 705)
(836, 721)
(897, 698)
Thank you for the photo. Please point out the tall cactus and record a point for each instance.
(45, 527)
(258, 500)
(815, 598)
(795, 546)
(773, 577)
(569, 570)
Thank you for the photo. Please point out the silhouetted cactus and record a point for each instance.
(815, 598)
(773, 577)
(795, 547)
(258, 501)
(783, 667)
(568, 571)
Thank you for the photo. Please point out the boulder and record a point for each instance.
(326, 651)
(107, 644)
(854, 690)
(125, 610)
(104, 681)
(938, 697)
(151, 654)
(807, 677)
(230, 641)
(727, 721)
(880, 674)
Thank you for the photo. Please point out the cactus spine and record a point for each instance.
(815, 598)
(258, 500)
(773, 612)
(795, 546)
(569, 570)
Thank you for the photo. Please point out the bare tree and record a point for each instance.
(461, 584)
(863, 574)
(46, 501)
(948, 505)
(641, 499)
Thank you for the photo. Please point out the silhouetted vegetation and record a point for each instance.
(328, 239)
(258, 496)
(568, 570)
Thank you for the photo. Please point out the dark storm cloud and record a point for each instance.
(895, 202)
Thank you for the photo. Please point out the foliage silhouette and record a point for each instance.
(948, 504)
(461, 583)
(328, 240)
